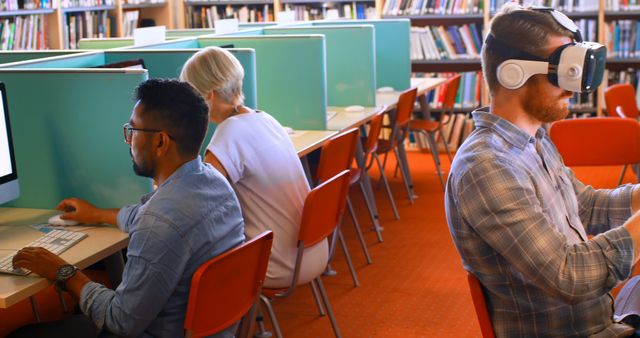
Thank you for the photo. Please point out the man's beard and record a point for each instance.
(538, 104)
(143, 169)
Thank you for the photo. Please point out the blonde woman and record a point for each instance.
(255, 153)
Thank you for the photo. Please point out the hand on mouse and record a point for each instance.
(78, 210)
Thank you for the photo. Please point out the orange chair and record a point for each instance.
(431, 128)
(399, 131)
(609, 141)
(621, 99)
(321, 215)
(480, 304)
(224, 288)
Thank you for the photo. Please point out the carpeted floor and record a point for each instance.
(416, 286)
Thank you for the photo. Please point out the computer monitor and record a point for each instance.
(9, 188)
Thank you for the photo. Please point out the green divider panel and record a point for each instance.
(393, 61)
(106, 43)
(24, 55)
(182, 43)
(254, 31)
(81, 60)
(169, 63)
(187, 33)
(250, 25)
(291, 76)
(67, 131)
(351, 64)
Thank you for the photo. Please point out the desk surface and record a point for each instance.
(15, 232)
(423, 84)
(306, 141)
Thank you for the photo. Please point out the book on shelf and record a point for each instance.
(85, 3)
(622, 5)
(90, 24)
(622, 38)
(567, 6)
(16, 5)
(141, 2)
(129, 22)
(450, 43)
(27, 32)
(434, 7)
(352, 10)
(204, 16)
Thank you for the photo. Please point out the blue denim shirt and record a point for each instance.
(193, 216)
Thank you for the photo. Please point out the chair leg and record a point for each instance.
(624, 170)
(446, 145)
(383, 178)
(403, 170)
(356, 224)
(246, 323)
(272, 316)
(329, 271)
(325, 298)
(436, 158)
(370, 203)
(347, 257)
(316, 297)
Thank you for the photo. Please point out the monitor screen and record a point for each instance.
(9, 188)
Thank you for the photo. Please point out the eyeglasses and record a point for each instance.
(128, 132)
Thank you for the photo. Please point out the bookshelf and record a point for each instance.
(202, 14)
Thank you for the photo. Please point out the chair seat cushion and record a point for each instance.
(424, 125)
(355, 175)
(271, 293)
(384, 146)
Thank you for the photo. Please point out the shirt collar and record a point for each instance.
(512, 134)
(184, 169)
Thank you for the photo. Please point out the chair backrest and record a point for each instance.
(337, 154)
(597, 141)
(450, 92)
(224, 288)
(404, 107)
(375, 125)
(323, 209)
(480, 304)
(621, 95)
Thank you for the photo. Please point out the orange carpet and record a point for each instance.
(416, 286)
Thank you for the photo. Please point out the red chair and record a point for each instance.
(480, 304)
(621, 99)
(399, 132)
(430, 128)
(605, 141)
(321, 215)
(224, 288)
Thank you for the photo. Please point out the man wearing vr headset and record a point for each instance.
(518, 217)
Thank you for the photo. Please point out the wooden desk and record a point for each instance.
(15, 233)
(346, 120)
(306, 141)
(424, 85)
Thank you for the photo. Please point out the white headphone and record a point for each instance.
(514, 73)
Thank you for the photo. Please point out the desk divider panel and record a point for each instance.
(105, 43)
(291, 76)
(80, 60)
(393, 60)
(67, 132)
(255, 31)
(24, 55)
(351, 64)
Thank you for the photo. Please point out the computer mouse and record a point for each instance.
(57, 221)
(289, 130)
(353, 109)
(385, 90)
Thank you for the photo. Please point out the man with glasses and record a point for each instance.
(191, 217)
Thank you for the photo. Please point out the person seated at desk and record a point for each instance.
(192, 216)
(256, 154)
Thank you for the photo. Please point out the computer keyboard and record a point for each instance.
(56, 241)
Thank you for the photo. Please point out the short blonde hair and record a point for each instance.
(214, 68)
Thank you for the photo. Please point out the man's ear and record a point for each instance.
(162, 143)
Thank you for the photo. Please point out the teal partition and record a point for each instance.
(187, 33)
(290, 75)
(351, 64)
(393, 61)
(67, 131)
(249, 25)
(80, 60)
(168, 64)
(105, 43)
(24, 55)
(254, 31)
(182, 43)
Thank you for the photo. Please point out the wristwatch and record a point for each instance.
(64, 272)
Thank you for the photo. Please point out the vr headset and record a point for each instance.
(577, 66)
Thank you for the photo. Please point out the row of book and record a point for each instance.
(85, 3)
(129, 22)
(445, 43)
(424, 7)
(622, 38)
(94, 24)
(622, 5)
(321, 11)
(24, 32)
(562, 5)
(205, 16)
(14, 5)
(139, 2)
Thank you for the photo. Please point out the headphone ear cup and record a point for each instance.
(511, 75)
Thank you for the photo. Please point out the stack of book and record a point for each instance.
(85, 3)
(24, 32)
(14, 5)
(90, 24)
(205, 16)
(129, 22)
(425, 7)
(445, 43)
(567, 6)
(622, 39)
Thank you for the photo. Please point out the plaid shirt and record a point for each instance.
(519, 219)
